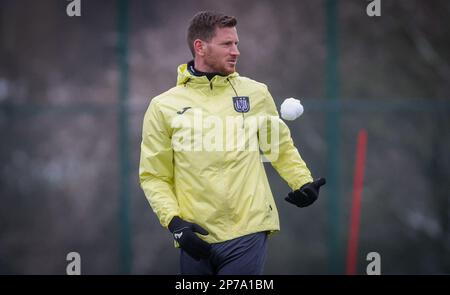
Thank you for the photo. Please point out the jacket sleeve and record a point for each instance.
(281, 151)
(156, 165)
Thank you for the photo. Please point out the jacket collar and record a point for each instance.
(185, 76)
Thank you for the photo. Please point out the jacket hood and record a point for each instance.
(184, 76)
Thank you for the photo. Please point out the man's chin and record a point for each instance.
(229, 70)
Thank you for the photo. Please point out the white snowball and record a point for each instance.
(291, 109)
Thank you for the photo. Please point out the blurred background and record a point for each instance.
(73, 92)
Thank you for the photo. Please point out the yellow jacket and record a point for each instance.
(193, 166)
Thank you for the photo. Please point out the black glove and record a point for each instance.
(184, 233)
(307, 194)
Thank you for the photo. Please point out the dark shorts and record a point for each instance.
(241, 256)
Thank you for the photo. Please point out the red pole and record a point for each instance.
(352, 250)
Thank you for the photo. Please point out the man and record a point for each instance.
(199, 167)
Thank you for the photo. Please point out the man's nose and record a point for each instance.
(235, 51)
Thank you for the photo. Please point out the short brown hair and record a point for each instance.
(203, 26)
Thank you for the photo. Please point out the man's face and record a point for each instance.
(221, 52)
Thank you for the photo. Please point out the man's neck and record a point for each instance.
(196, 71)
(201, 66)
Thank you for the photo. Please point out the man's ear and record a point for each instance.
(199, 47)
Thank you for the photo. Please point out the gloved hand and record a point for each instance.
(184, 233)
(307, 194)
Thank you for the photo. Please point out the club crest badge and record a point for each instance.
(241, 104)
